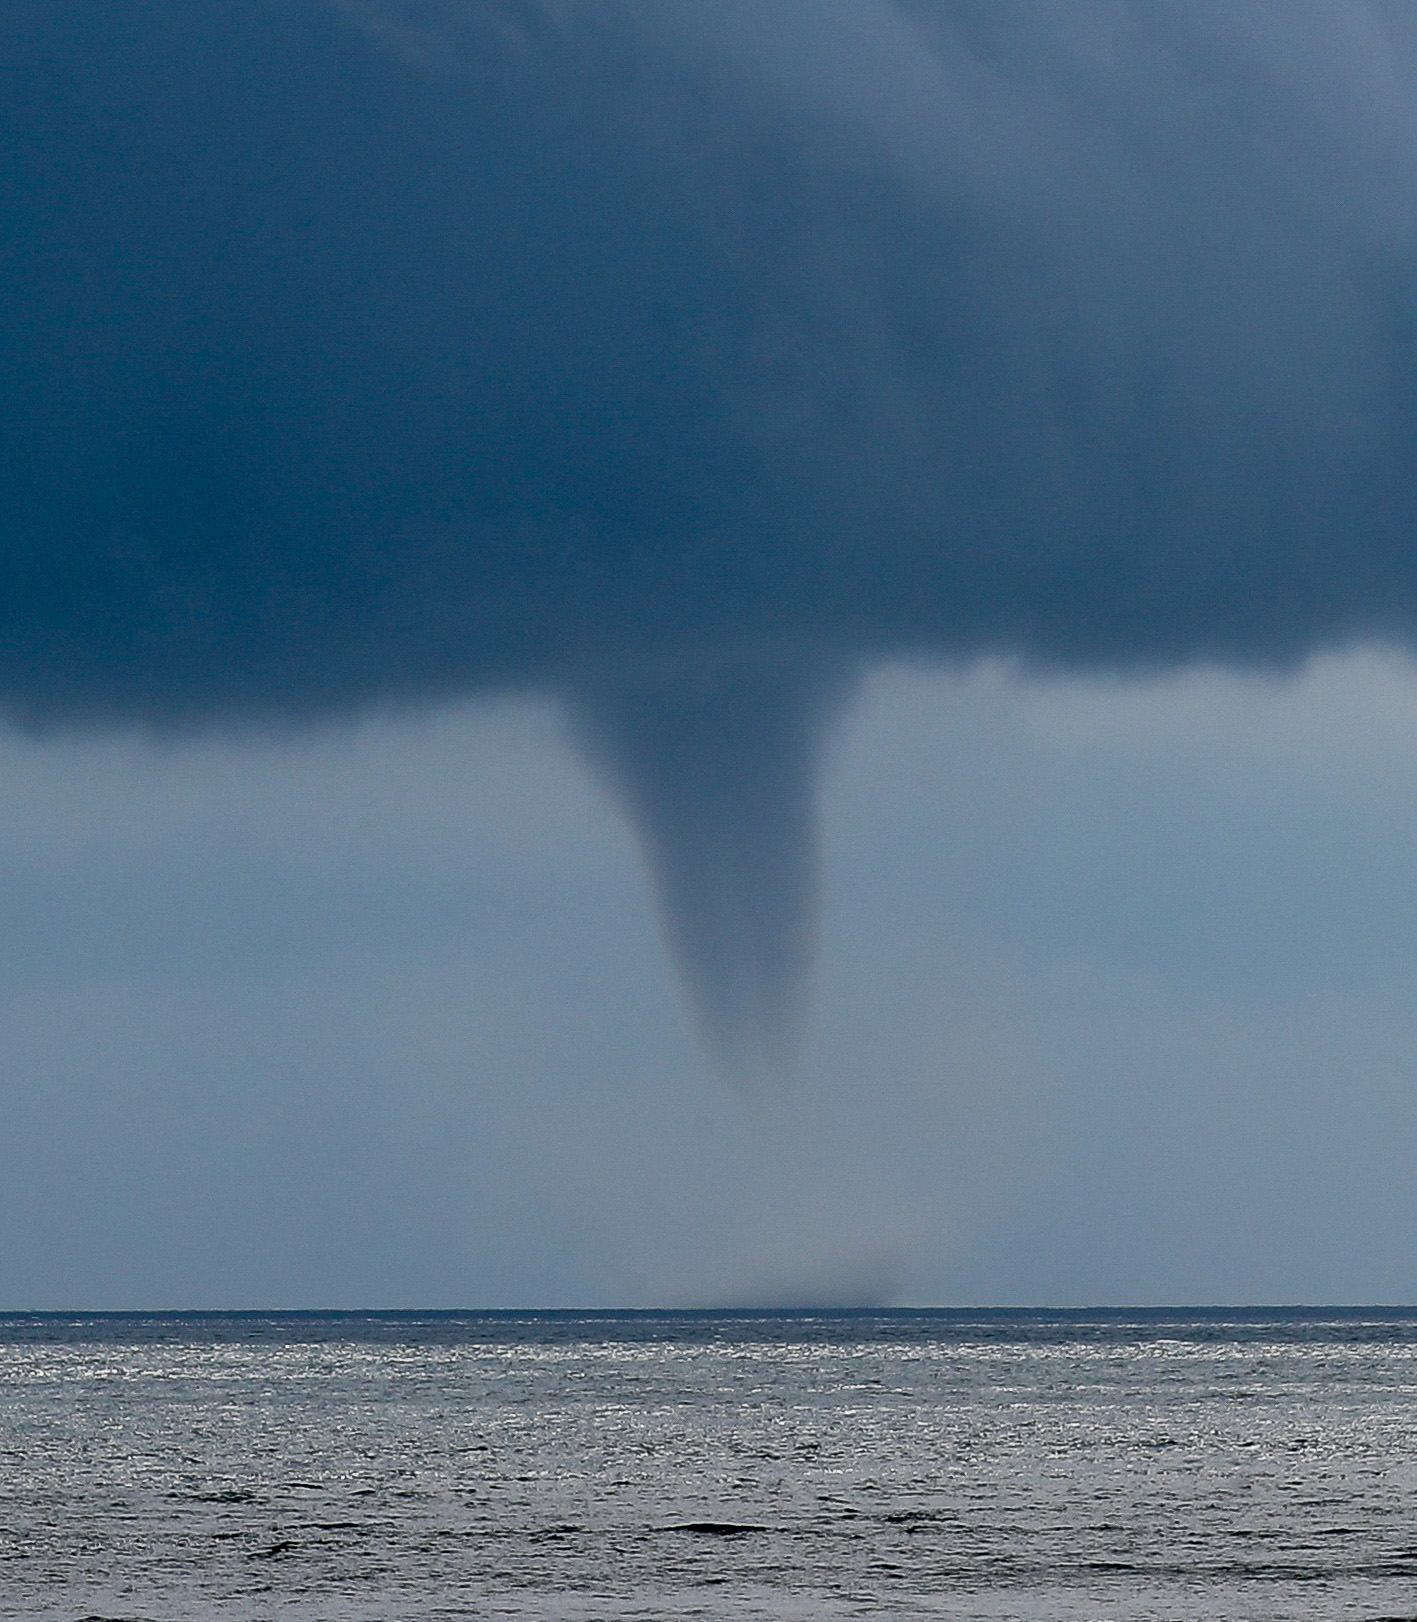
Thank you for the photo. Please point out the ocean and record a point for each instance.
(955, 1464)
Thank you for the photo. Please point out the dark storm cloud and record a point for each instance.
(681, 358)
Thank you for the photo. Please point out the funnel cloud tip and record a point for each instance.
(715, 764)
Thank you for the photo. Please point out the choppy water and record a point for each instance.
(984, 1465)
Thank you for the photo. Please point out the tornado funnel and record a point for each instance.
(715, 765)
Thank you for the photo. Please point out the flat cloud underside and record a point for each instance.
(372, 350)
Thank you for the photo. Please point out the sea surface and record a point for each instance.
(1218, 1465)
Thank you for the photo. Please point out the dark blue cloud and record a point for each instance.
(682, 359)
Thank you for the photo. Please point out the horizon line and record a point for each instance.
(720, 1311)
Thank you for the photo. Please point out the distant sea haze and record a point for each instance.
(681, 361)
(1127, 1464)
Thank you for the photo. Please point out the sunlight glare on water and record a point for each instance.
(944, 1464)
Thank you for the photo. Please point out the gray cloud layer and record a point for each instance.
(394, 348)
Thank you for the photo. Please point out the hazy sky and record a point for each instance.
(1117, 1004)
(560, 553)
